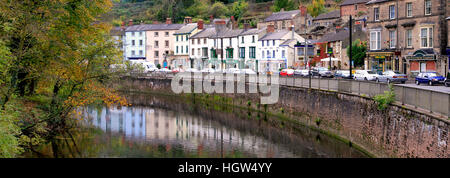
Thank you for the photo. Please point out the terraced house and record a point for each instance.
(182, 36)
(409, 36)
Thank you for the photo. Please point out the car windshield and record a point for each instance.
(432, 74)
(371, 72)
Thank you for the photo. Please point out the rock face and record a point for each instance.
(394, 132)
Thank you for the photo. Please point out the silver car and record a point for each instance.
(392, 77)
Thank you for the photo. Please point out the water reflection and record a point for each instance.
(206, 134)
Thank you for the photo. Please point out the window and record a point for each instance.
(132, 43)
(392, 39)
(193, 41)
(375, 40)
(182, 49)
(391, 12)
(376, 14)
(167, 34)
(268, 54)
(205, 52)
(263, 54)
(426, 37)
(204, 41)
(167, 43)
(133, 53)
(241, 52)
(267, 43)
(156, 54)
(177, 50)
(140, 33)
(252, 53)
(193, 51)
(141, 53)
(187, 38)
(242, 41)
(177, 37)
(356, 6)
(156, 34)
(273, 42)
(273, 54)
(198, 41)
(187, 49)
(199, 52)
(140, 42)
(132, 33)
(409, 9)
(262, 42)
(156, 44)
(409, 38)
(427, 7)
(230, 42)
(253, 39)
(283, 54)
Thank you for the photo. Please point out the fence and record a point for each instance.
(432, 101)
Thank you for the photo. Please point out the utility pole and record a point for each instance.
(351, 44)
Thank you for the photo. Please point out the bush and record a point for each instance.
(384, 100)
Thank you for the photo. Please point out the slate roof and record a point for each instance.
(278, 35)
(352, 2)
(205, 33)
(376, 1)
(228, 33)
(329, 15)
(287, 42)
(332, 37)
(252, 31)
(154, 27)
(285, 15)
(116, 31)
(188, 28)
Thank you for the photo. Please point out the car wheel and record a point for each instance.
(365, 79)
(388, 81)
(417, 82)
(447, 85)
(403, 82)
(378, 80)
(430, 83)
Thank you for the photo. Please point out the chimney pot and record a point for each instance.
(168, 21)
(246, 26)
(200, 24)
(130, 22)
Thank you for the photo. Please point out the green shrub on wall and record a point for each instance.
(384, 100)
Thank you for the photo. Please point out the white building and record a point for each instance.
(277, 49)
(248, 43)
(135, 42)
(182, 37)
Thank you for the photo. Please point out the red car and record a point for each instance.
(287, 72)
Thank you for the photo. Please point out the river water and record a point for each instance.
(169, 128)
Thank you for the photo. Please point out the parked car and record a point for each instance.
(192, 70)
(342, 74)
(392, 77)
(208, 70)
(287, 72)
(447, 82)
(366, 75)
(230, 70)
(247, 71)
(322, 72)
(429, 77)
(164, 70)
(301, 73)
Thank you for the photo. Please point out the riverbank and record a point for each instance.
(394, 132)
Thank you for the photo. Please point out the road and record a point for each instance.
(438, 88)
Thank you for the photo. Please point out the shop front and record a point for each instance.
(422, 61)
(383, 61)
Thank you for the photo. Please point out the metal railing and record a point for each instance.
(434, 102)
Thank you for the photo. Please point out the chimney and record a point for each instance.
(187, 20)
(122, 25)
(282, 10)
(200, 24)
(234, 24)
(270, 28)
(303, 10)
(155, 22)
(246, 26)
(130, 22)
(220, 25)
(169, 21)
(211, 19)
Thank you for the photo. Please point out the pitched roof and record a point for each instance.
(285, 15)
(278, 35)
(376, 1)
(205, 33)
(351, 2)
(329, 15)
(227, 33)
(252, 31)
(154, 27)
(188, 28)
(333, 36)
(287, 42)
(116, 31)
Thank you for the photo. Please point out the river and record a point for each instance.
(164, 127)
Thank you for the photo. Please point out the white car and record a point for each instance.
(247, 71)
(208, 70)
(366, 75)
(302, 73)
(149, 67)
(231, 70)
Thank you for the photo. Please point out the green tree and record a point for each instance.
(238, 9)
(316, 7)
(359, 50)
(218, 9)
(283, 4)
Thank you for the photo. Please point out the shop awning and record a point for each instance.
(422, 55)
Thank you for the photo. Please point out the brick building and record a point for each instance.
(407, 36)
(354, 8)
(283, 20)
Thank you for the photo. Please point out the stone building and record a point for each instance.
(285, 19)
(327, 19)
(354, 8)
(407, 36)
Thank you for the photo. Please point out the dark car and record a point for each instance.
(447, 82)
(429, 77)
